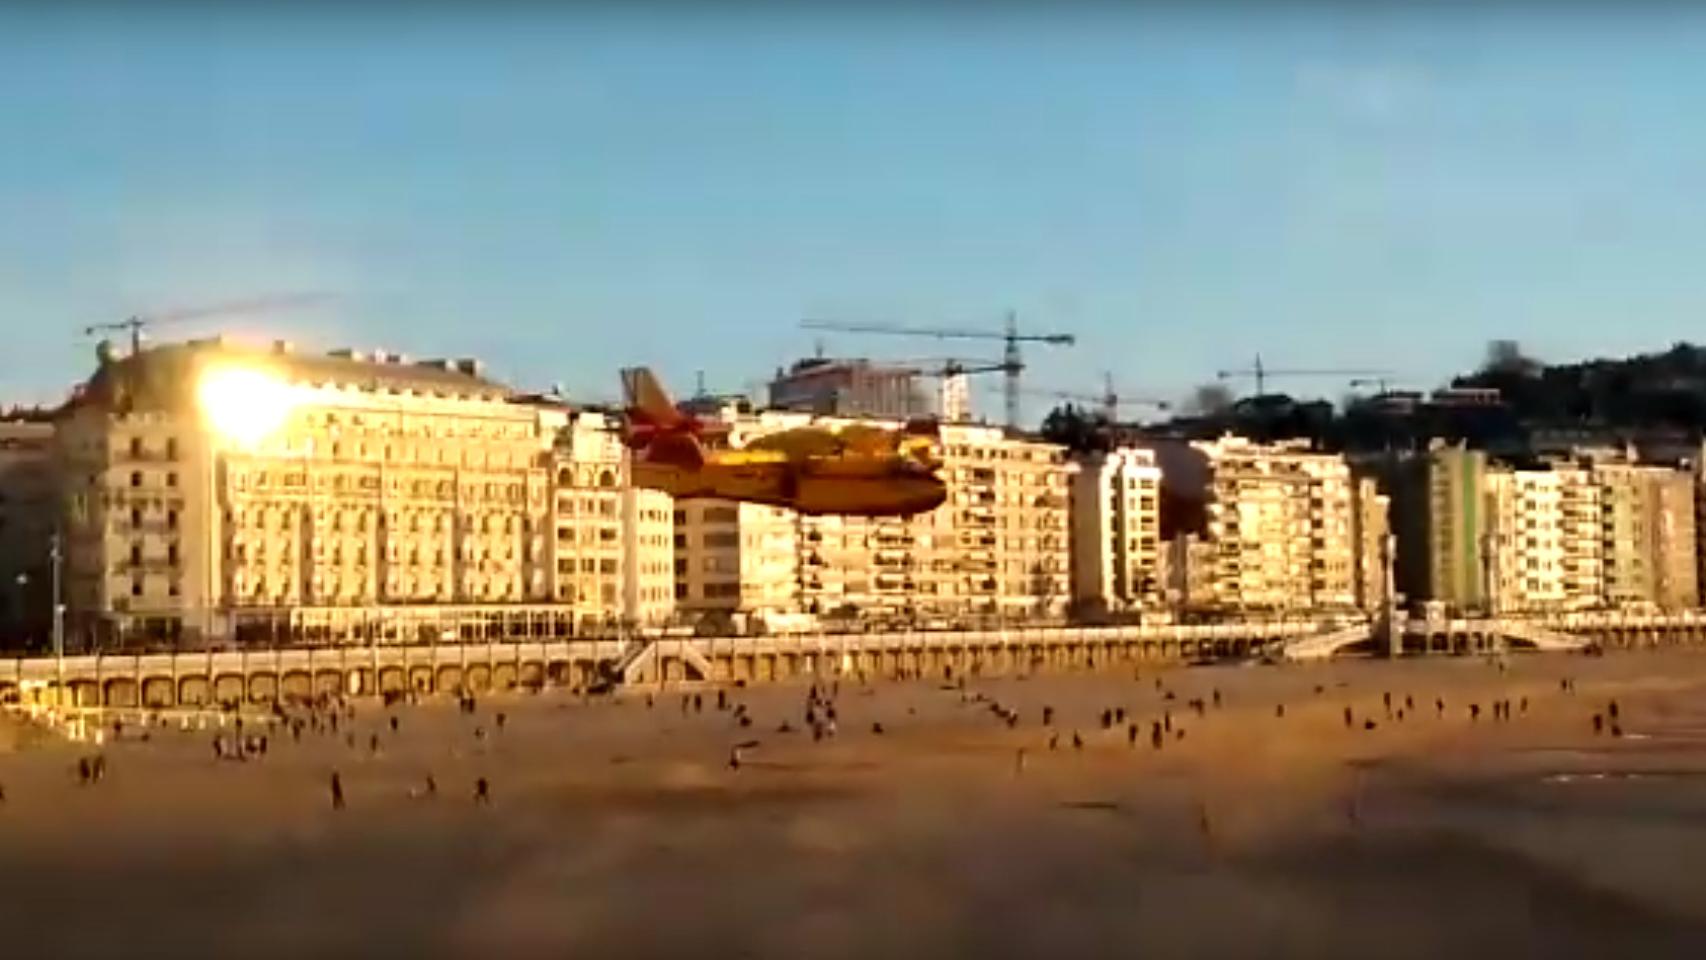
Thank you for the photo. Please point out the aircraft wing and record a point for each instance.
(867, 440)
(799, 443)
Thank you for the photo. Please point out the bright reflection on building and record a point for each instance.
(244, 405)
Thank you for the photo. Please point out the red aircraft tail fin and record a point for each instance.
(648, 403)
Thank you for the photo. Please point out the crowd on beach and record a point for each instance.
(330, 716)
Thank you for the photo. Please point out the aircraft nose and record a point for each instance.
(932, 496)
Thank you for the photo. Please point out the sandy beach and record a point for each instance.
(619, 827)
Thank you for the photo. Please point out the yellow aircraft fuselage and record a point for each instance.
(858, 487)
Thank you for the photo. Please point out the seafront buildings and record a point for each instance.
(209, 493)
(1593, 530)
(215, 493)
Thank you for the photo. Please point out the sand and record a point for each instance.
(618, 829)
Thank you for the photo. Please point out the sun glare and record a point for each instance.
(244, 405)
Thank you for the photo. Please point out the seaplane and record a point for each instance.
(853, 469)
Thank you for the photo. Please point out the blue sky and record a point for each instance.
(565, 192)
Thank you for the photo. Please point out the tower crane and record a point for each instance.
(949, 366)
(1011, 362)
(1110, 399)
(1260, 374)
(954, 401)
(1382, 384)
(136, 323)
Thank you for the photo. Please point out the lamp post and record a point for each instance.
(54, 555)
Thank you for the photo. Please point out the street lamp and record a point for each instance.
(54, 556)
(22, 580)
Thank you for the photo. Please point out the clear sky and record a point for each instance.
(563, 191)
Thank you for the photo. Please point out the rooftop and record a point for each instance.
(157, 377)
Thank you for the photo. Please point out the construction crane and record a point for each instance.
(136, 323)
(1260, 374)
(1110, 399)
(1381, 384)
(1011, 362)
(947, 366)
(954, 399)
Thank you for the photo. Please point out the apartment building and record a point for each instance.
(1643, 547)
(215, 492)
(1006, 525)
(1673, 516)
(28, 491)
(1438, 511)
(1525, 554)
(1591, 530)
(1116, 531)
(1280, 518)
(849, 388)
(736, 562)
(1372, 535)
(613, 555)
(648, 556)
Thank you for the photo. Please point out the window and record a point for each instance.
(136, 478)
(171, 448)
(136, 447)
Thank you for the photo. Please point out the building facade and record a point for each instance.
(1525, 554)
(215, 493)
(1591, 530)
(849, 388)
(1438, 509)
(613, 553)
(1116, 531)
(1372, 534)
(1280, 518)
(736, 563)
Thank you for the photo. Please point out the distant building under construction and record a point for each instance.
(849, 388)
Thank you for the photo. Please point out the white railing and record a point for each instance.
(1326, 644)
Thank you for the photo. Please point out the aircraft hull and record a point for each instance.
(890, 494)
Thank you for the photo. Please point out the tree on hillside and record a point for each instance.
(1211, 399)
(1506, 357)
(1077, 429)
